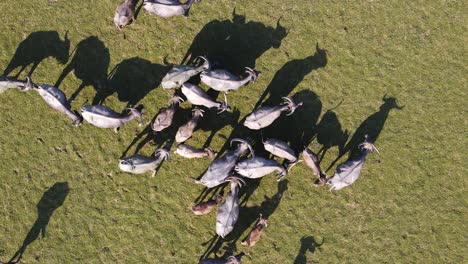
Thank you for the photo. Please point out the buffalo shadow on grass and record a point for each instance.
(308, 243)
(298, 129)
(330, 133)
(214, 122)
(372, 127)
(247, 217)
(37, 47)
(132, 79)
(290, 75)
(51, 200)
(90, 63)
(234, 44)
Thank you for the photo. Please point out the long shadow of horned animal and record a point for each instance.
(89, 63)
(290, 75)
(372, 127)
(132, 79)
(35, 48)
(222, 42)
(330, 133)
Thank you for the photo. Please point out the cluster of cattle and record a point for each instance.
(231, 166)
(227, 168)
(125, 12)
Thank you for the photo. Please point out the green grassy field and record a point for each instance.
(64, 200)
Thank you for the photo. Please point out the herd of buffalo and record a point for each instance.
(235, 164)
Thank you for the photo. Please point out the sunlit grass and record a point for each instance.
(409, 206)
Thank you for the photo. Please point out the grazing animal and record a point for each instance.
(124, 13)
(180, 74)
(257, 167)
(56, 99)
(256, 232)
(187, 151)
(281, 149)
(222, 167)
(12, 83)
(349, 171)
(230, 260)
(167, 8)
(224, 81)
(198, 96)
(164, 119)
(185, 131)
(139, 164)
(204, 208)
(266, 115)
(104, 117)
(228, 212)
(311, 160)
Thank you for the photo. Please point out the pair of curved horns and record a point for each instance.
(235, 179)
(245, 142)
(162, 152)
(224, 105)
(176, 99)
(368, 145)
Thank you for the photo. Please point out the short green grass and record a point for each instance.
(409, 206)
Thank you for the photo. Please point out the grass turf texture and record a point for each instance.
(409, 207)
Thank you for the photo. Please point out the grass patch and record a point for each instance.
(408, 206)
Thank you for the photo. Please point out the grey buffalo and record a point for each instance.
(222, 167)
(224, 81)
(167, 8)
(104, 117)
(349, 171)
(139, 164)
(180, 74)
(266, 115)
(228, 212)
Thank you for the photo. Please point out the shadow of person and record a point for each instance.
(372, 127)
(330, 133)
(50, 201)
(308, 243)
(35, 48)
(90, 63)
(132, 79)
(299, 128)
(222, 42)
(290, 75)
